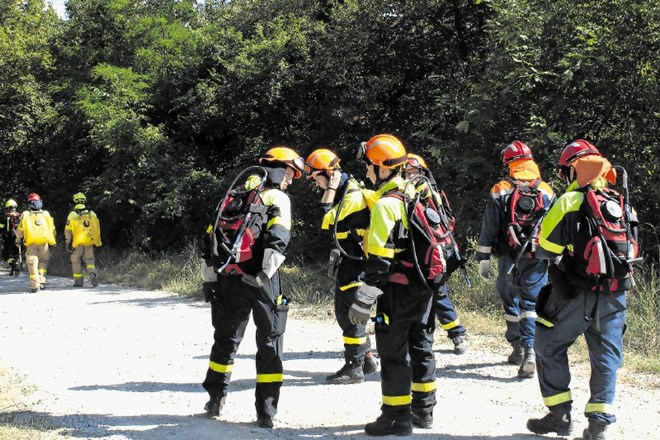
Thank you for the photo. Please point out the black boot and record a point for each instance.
(351, 372)
(423, 421)
(528, 365)
(214, 406)
(516, 355)
(370, 364)
(460, 344)
(388, 426)
(265, 422)
(595, 431)
(561, 424)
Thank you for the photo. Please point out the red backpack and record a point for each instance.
(429, 237)
(239, 222)
(612, 249)
(525, 208)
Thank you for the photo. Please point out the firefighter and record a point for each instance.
(82, 234)
(444, 308)
(36, 230)
(519, 290)
(11, 252)
(579, 302)
(342, 191)
(404, 322)
(253, 286)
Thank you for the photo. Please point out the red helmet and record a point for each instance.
(575, 149)
(33, 196)
(514, 151)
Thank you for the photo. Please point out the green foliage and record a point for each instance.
(643, 309)
(152, 107)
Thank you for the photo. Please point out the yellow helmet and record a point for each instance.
(383, 150)
(321, 159)
(11, 203)
(416, 161)
(286, 156)
(79, 198)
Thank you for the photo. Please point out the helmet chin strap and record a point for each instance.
(379, 181)
(571, 174)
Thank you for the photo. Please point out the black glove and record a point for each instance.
(209, 290)
(359, 312)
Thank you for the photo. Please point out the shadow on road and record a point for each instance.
(198, 427)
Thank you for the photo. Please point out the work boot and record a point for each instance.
(265, 422)
(351, 372)
(516, 356)
(77, 284)
(594, 431)
(93, 279)
(213, 406)
(551, 423)
(387, 426)
(42, 286)
(370, 364)
(460, 344)
(423, 421)
(34, 289)
(528, 366)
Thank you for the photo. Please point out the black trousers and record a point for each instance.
(230, 313)
(405, 346)
(356, 341)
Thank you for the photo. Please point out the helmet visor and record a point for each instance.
(298, 164)
(361, 153)
(414, 162)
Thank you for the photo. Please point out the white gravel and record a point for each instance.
(118, 364)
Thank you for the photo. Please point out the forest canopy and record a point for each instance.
(151, 107)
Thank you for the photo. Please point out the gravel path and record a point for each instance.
(121, 364)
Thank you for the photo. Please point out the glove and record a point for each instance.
(359, 312)
(257, 280)
(271, 262)
(209, 290)
(365, 296)
(69, 248)
(485, 271)
(334, 180)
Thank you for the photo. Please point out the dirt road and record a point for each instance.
(119, 364)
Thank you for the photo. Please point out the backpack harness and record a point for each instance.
(612, 250)
(239, 222)
(429, 238)
(354, 233)
(524, 211)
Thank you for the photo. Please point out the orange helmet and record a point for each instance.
(321, 159)
(416, 161)
(383, 150)
(286, 156)
(514, 151)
